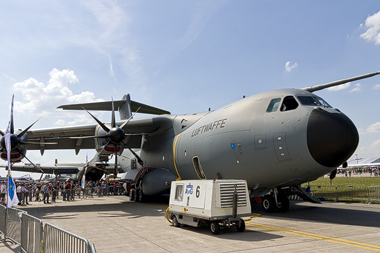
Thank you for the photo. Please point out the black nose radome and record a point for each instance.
(331, 137)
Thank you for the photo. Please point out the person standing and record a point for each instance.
(3, 191)
(19, 193)
(46, 193)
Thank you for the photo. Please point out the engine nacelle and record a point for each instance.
(100, 143)
(18, 150)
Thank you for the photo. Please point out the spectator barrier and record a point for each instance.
(26, 230)
(351, 193)
(31, 234)
(59, 240)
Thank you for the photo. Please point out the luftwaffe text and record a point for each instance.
(209, 127)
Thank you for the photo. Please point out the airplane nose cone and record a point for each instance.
(331, 137)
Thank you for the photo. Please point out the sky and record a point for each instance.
(184, 57)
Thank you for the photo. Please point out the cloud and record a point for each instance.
(374, 128)
(371, 150)
(289, 68)
(372, 23)
(376, 86)
(340, 87)
(357, 88)
(40, 98)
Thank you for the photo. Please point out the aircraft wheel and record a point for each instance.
(268, 203)
(283, 203)
(241, 226)
(214, 227)
(132, 195)
(175, 221)
(140, 196)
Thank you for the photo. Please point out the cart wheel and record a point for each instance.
(175, 221)
(214, 227)
(241, 226)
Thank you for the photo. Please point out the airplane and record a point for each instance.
(276, 140)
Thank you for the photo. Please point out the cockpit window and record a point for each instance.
(323, 102)
(273, 105)
(313, 101)
(289, 103)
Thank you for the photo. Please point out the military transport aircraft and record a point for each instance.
(276, 140)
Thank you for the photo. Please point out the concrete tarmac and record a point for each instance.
(115, 224)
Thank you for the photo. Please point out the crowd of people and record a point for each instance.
(68, 191)
(375, 172)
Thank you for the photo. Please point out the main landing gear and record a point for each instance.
(276, 201)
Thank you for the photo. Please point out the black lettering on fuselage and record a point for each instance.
(209, 127)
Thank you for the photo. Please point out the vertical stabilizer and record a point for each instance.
(125, 110)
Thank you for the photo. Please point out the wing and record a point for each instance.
(61, 137)
(45, 169)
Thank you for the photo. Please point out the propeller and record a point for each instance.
(17, 141)
(114, 136)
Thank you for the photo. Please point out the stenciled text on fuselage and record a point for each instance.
(209, 127)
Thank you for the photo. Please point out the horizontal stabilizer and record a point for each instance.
(107, 106)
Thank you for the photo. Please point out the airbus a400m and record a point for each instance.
(275, 140)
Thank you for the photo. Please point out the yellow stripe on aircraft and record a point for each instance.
(175, 165)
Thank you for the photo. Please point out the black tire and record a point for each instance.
(282, 203)
(132, 195)
(214, 227)
(268, 204)
(175, 221)
(241, 226)
(140, 196)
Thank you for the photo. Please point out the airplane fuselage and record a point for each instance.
(277, 138)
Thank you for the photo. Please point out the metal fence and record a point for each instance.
(351, 193)
(59, 240)
(31, 234)
(374, 193)
(28, 231)
(3, 224)
(13, 222)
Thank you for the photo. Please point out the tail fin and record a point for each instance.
(125, 106)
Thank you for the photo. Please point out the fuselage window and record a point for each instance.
(289, 104)
(274, 104)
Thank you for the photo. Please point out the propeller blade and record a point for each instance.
(139, 160)
(125, 123)
(115, 172)
(12, 126)
(26, 129)
(105, 128)
(2, 133)
(113, 121)
(35, 167)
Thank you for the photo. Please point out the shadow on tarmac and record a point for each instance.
(329, 212)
